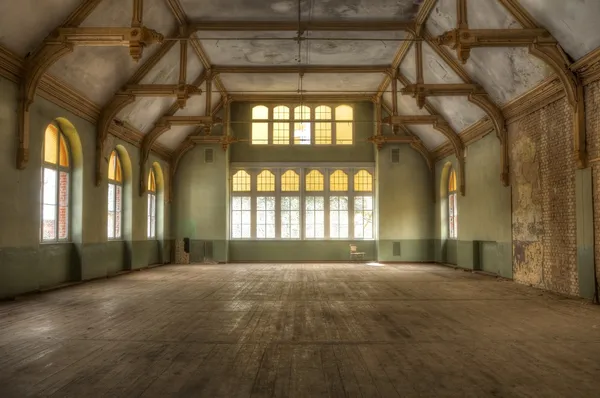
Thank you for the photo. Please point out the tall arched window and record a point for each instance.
(323, 125)
(290, 205)
(151, 204)
(452, 206)
(56, 186)
(115, 196)
(241, 205)
(363, 205)
(338, 205)
(315, 205)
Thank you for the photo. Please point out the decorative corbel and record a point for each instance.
(106, 118)
(34, 69)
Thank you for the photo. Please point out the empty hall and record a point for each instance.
(299, 198)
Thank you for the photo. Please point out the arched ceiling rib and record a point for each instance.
(99, 72)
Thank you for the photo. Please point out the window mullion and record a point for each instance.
(327, 196)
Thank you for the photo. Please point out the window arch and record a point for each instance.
(115, 196)
(265, 182)
(344, 118)
(315, 181)
(363, 181)
(452, 206)
(151, 230)
(338, 181)
(56, 187)
(260, 125)
(302, 125)
(241, 181)
(290, 181)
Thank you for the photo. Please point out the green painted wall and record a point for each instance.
(200, 202)
(487, 203)
(406, 206)
(26, 264)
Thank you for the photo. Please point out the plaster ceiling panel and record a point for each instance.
(435, 69)
(442, 17)
(240, 10)
(254, 83)
(175, 136)
(398, 10)
(158, 16)
(490, 14)
(458, 111)
(110, 13)
(373, 50)
(97, 72)
(505, 72)
(408, 66)
(573, 23)
(145, 111)
(194, 66)
(166, 71)
(324, 82)
(250, 49)
(430, 136)
(22, 31)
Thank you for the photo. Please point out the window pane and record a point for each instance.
(51, 144)
(118, 198)
(63, 222)
(260, 112)
(343, 133)
(260, 133)
(49, 188)
(63, 189)
(151, 181)
(111, 224)
(323, 113)
(112, 166)
(281, 133)
(118, 224)
(246, 203)
(323, 133)
(111, 197)
(452, 181)
(64, 153)
(236, 203)
(48, 222)
(302, 113)
(338, 181)
(302, 133)
(338, 216)
(241, 182)
(363, 181)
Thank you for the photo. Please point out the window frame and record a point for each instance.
(152, 195)
(58, 168)
(302, 171)
(312, 120)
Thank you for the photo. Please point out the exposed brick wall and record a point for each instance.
(543, 199)
(592, 108)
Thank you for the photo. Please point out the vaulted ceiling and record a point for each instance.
(227, 36)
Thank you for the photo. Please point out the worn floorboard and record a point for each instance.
(299, 330)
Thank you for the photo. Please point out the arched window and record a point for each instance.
(315, 181)
(265, 182)
(281, 126)
(344, 120)
(260, 125)
(241, 181)
(363, 181)
(241, 205)
(302, 125)
(265, 205)
(323, 125)
(338, 181)
(151, 204)
(338, 205)
(56, 186)
(290, 181)
(452, 206)
(314, 206)
(115, 196)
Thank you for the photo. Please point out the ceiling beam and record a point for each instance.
(423, 14)
(227, 69)
(421, 91)
(296, 98)
(161, 90)
(313, 26)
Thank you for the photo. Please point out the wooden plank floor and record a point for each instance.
(299, 330)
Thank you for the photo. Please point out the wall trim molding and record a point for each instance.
(60, 93)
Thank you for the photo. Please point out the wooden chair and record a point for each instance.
(355, 255)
